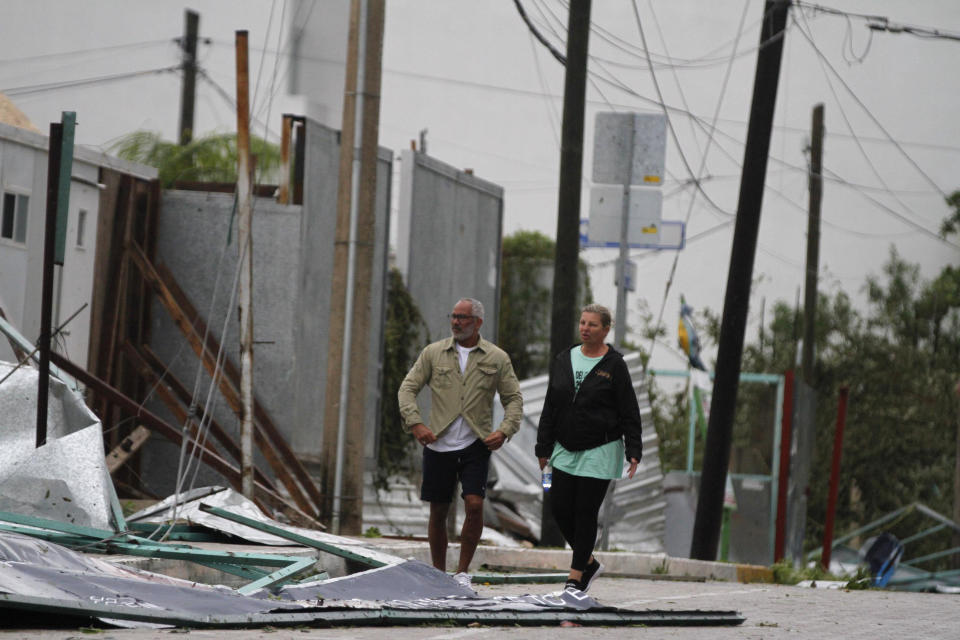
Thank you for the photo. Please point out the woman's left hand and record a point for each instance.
(633, 467)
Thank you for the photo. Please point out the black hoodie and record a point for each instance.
(604, 409)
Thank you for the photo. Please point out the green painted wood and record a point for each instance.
(68, 120)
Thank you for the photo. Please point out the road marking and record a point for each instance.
(634, 603)
(461, 634)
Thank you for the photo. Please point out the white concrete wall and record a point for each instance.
(16, 176)
(318, 34)
(23, 170)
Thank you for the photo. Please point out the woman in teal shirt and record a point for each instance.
(589, 425)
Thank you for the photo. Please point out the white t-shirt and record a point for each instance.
(458, 435)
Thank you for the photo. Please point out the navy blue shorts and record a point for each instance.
(441, 469)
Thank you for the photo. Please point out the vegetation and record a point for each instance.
(526, 281)
(211, 158)
(900, 358)
(405, 335)
(785, 573)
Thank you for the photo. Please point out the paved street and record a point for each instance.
(771, 611)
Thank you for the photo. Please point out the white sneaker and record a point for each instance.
(463, 579)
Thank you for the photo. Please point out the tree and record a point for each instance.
(951, 224)
(211, 158)
(900, 358)
(526, 279)
(405, 334)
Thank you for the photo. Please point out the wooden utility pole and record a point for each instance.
(349, 321)
(716, 458)
(813, 244)
(245, 247)
(563, 314)
(188, 85)
(283, 192)
(59, 170)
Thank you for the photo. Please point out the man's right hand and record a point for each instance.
(423, 435)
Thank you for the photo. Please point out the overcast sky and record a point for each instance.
(490, 96)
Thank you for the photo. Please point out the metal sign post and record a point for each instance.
(626, 202)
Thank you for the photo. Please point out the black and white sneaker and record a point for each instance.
(572, 585)
(590, 574)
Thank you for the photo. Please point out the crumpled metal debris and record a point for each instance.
(67, 478)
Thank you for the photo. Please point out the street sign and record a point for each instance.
(629, 148)
(643, 214)
(630, 284)
(672, 236)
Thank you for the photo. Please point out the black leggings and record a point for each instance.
(576, 504)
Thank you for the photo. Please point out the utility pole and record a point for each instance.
(562, 317)
(349, 346)
(59, 169)
(283, 191)
(716, 459)
(813, 244)
(245, 246)
(188, 86)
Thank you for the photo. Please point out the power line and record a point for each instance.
(846, 120)
(562, 59)
(870, 114)
(76, 52)
(881, 23)
(68, 84)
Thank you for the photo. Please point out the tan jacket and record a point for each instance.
(455, 393)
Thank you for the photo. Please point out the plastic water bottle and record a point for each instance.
(546, 478)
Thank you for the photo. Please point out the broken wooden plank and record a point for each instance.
(127, 447)
(206, 349)
(175, 396)
(262, 419)
(204, 454)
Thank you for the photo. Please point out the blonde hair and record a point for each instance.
(605, 318)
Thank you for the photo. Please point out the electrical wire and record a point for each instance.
(554, 117)
(77, 52)
(869, 113)
(703, 160)
(562, 59)
(863, 152)
(881, 23)
(223, 93)
(69, 84)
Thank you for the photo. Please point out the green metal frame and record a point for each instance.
(241, 564)
(519, 578)
(774, 477)
(293, 537)
(279, 576)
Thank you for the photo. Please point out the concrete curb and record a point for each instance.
(616, 563)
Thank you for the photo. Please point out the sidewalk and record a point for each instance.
(624, 564)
